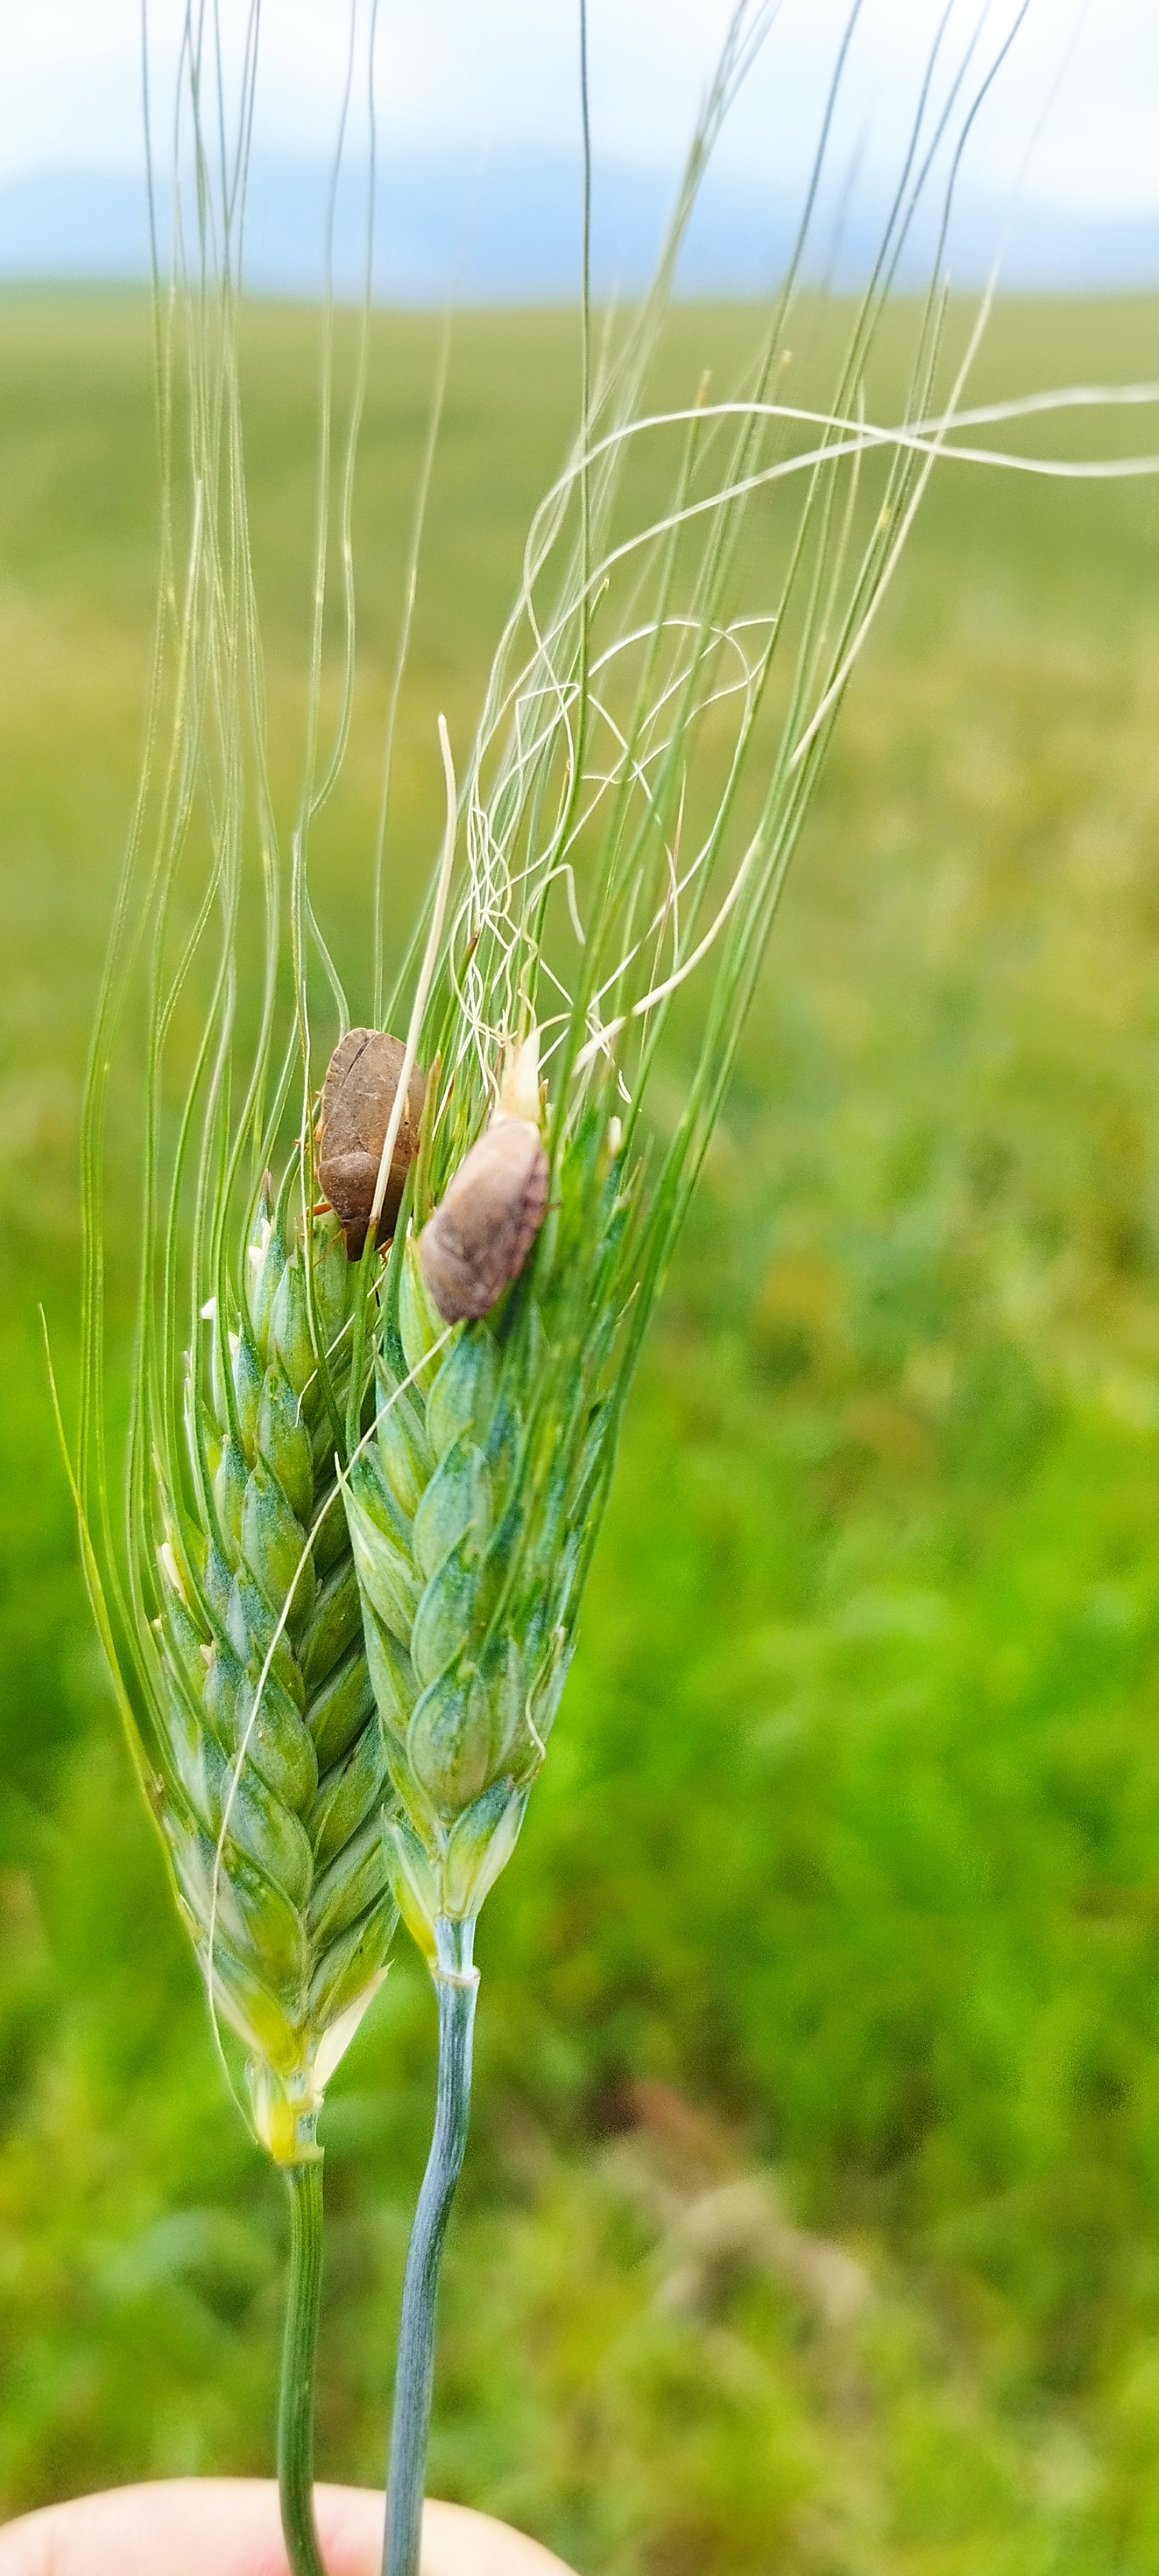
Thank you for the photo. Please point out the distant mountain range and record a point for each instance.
(507, 231)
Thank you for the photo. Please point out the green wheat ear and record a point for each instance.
(272, 1775)
(473, 1509)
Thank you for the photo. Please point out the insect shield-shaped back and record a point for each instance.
(479, 1237)
(358, 1096)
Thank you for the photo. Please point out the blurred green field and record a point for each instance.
(811, 2220)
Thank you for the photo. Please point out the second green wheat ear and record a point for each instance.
(270, 1797)
(265, 1759)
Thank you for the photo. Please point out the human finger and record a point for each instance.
(233, 2524)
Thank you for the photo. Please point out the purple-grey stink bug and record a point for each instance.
(481, 1233)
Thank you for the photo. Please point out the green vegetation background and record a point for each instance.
(811, 2218)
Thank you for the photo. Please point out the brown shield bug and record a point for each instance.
(358, 1096)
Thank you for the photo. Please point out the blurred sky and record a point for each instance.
(488, 74)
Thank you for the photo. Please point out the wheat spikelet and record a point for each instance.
(274, 1781)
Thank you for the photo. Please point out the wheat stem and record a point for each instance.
(456, 1984)
(299, 2352)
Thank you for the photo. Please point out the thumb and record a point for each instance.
(185, 2525)
(232, 2525)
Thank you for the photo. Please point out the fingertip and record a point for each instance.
(184, 2525)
